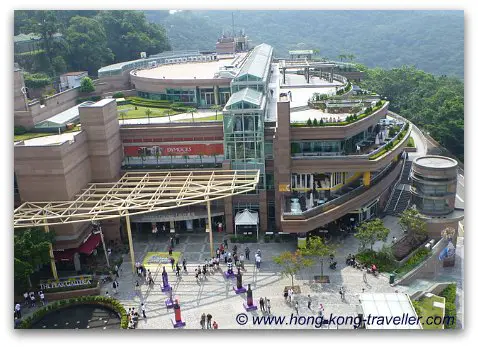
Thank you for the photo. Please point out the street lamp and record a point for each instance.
(97, 228)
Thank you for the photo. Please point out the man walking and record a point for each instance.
(209, 318)
(268, 306)
(143, 309)
(248, 251)
(261, 304)
(115, 289)
(184, 266)
(172, 262)
(365, 275)
(342, 293)
(297, 307)
(177, 270)
(203, 321)
(309, 301)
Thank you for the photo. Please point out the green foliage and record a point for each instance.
(309, 122)
(371, 232)
(87, 85)
(243, 239)
(383, 259)
(292, 263)
(411, 223)
(413, 261)
(36, 80)
(89, 98)
(449, 293)
(321, 123)
(118, 95)
(111, 303)
(19, 130)
(315, 123)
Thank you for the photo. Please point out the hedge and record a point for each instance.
(449, 293)
(243, 239)
(89, 98)
(36, 80)
(19, 130)
(414, 260)
(118, 95)
(108, 302)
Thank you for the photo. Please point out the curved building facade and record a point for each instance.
(434, 180)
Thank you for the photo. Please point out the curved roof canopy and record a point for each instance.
(137, 193)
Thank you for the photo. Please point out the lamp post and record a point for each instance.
(97, 227)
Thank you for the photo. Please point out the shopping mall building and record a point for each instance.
(316, 176)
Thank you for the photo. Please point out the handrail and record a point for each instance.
(347, 196)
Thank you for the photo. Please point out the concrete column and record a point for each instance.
(283, 75)
(366, 178)
(216, 95)
(307, 74)
(52, 256)
(130, 240)
(332, 75)
(209, 228)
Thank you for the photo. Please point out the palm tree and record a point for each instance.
(351, 56)
(122, 114)
(148, 113)
(192, 110)
(216, 108)
(342, 57)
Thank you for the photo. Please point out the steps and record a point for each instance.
(400, 198)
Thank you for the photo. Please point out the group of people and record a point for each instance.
(350, 260)
(206, 322)
(133, 316)
(30, 299)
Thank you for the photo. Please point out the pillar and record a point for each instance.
(283, 75)
(171, 227)
(52, 257)
(307, 73)
(209, 227)
(130, 240)
(366, 178)
(216, 95)
(332, 75)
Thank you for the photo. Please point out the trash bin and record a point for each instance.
(392, 278)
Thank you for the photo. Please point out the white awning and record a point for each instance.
(247, 217)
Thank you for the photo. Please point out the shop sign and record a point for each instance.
(66, 282)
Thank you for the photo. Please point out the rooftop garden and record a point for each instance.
(392, 144)
(21, 134)
(425, 308)
(348, 120)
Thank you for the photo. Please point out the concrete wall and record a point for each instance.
(155, 85)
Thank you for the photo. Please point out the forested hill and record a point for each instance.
(432, 41)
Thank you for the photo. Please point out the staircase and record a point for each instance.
(401, 195)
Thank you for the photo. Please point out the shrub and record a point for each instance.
(450, 311)
(87, 85)
(267, 238)
(118, 95)
(321, 123)
(36, 80)
(449, 293)
(414, 260)
(19, 130)
(315, 123)
(382, 259)
(89, 98)
(309, 122)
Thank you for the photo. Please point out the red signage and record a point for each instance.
(175, 150)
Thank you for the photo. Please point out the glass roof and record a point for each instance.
(257, 63)
(64, 117)
(248, 95)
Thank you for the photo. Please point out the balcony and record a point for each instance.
(371, 158)
(324, 213)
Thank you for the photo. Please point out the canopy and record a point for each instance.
(90, 245)
(246, 217)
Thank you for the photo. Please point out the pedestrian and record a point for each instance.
(184, 266)
(176, 238)
(258, 261)
(247, 250)
(342, 293)
(268, 306)
(32, 299)
(321, 310)
(365, 275)
(107, 294)
(309, 301)
(116, 270)
(18, 310)
(177, 270)
(204, 271)
(170, 250)
(214, 325)
(241, 261)
(143, 309)
(203, 321)
(394, 239)
(114, 287)
(172, 262)
(297, 307)
(137, 287)
(225, 244)
(209, 317)
(26, 298)
(42, 297)
(261, 304)
(171, 242)
(217, 252)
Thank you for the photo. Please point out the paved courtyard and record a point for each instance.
(215, 294)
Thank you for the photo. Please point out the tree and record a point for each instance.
(148, 113)
(158, 155)
(309, 122)
(292, 263)
(412, 224)
(315, 247)
(31, 251)
(372, 231)
(123, 114)
(86, 85)
(342, 57)
(216, 108)
(192, 110)
(88, 45)
(351, 56)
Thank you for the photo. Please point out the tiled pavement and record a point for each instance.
(215, 294)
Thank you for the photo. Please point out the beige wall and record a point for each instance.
(154, 85)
